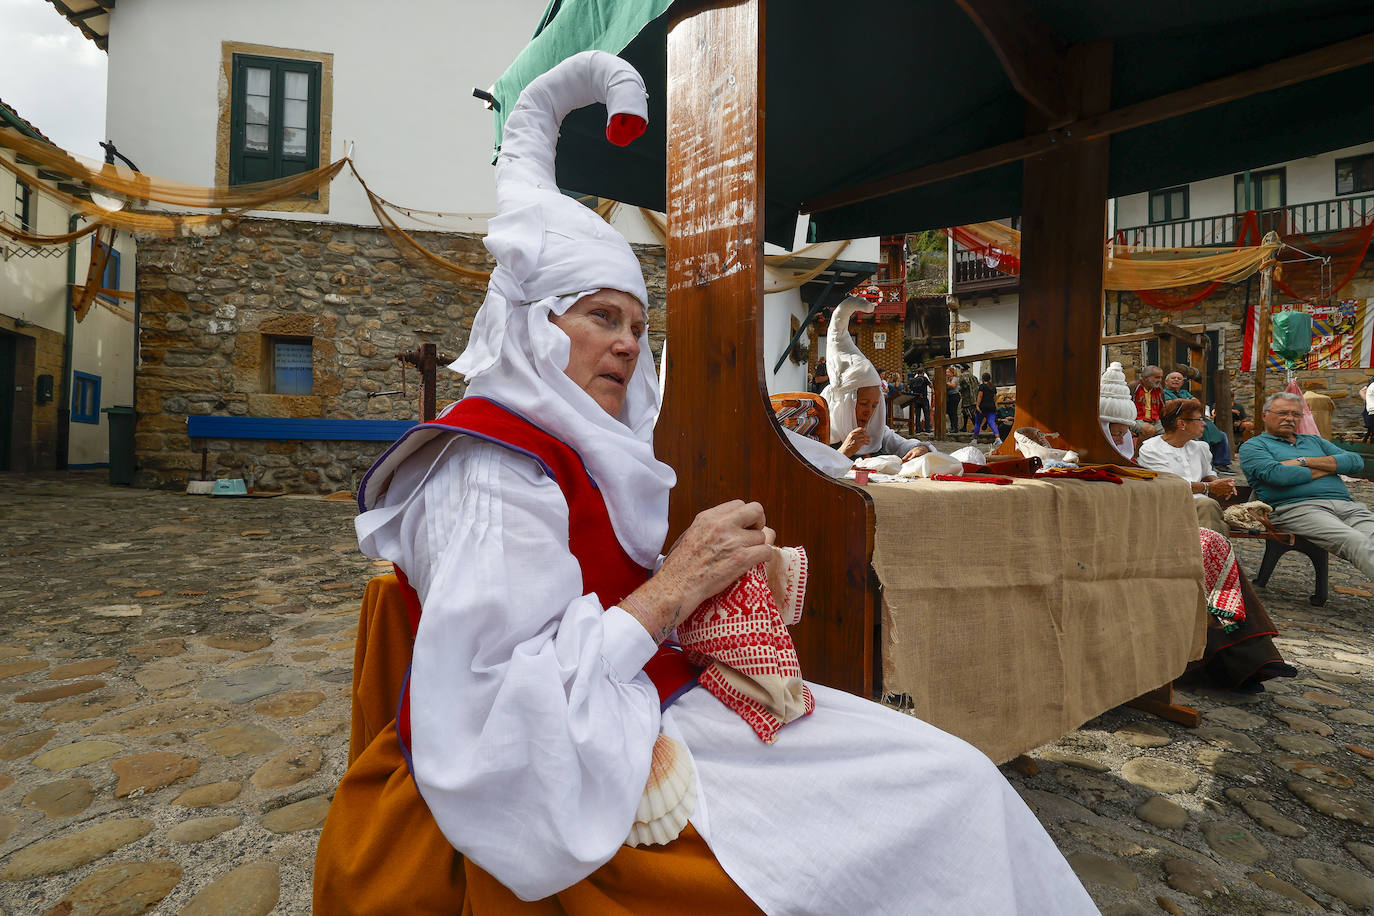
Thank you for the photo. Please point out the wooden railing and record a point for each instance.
(1315, 218)
(971, 272)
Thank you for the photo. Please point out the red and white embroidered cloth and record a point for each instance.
(741, 638)
(1221, 575)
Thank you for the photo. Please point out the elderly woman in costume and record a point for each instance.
(1116, 411)
(858, 409)
(528, 522)
(1240, 650)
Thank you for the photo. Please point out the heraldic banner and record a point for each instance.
(1342, 336)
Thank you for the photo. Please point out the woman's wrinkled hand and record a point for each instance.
(722, 544)
(916, 452)
(857, 439)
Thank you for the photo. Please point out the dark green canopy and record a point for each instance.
(862, 90)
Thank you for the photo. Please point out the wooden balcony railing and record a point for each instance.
(973, 274)
(1315, 218)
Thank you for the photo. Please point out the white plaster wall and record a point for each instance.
(778, 310)
(403, 78)
(103, 345)
(32, 289)
(992, 326)
(1309, 179)
(35, 290)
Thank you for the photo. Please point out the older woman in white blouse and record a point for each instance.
(1178, 451)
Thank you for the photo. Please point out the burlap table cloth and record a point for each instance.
(1013, 614)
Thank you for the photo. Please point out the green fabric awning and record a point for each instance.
(867, 89)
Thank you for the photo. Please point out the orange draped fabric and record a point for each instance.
(382, 852)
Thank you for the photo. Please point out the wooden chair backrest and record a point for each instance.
(804, 413)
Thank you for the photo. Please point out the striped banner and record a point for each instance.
(1342, 336)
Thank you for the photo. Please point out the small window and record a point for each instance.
(1169, 205)
(1003, 371)
(292, 365)
(1268, 190)
(274, 118)
(85, 398)
(110, 280)
(1355, 175)
(23, 206)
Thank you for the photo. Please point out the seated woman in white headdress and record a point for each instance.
(858, 410)
(528, 520)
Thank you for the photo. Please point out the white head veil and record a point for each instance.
(849, 371)
(550, 251)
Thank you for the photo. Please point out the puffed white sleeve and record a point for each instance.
(894, 444)
(532, 724)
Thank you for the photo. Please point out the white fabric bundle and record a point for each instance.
(1033, 443)
(881, 464)
(849, 371)
(970, 454)
(930, 464)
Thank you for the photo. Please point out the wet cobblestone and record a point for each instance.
(174, 680)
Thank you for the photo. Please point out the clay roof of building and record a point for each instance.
(92, 17)
(11, 118)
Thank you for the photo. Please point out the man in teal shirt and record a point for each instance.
(1299, 477)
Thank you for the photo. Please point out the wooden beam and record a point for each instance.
(717, 429)
(1265, 306)
(1031, 55)
(971, 358)
(1354, 52)
(1059, 335)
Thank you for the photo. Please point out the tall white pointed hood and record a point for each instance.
(551, 251)
(849, 371)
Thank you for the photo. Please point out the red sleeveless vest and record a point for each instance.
(607, 570)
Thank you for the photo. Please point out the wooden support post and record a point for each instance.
(1265, 307)
(1060, 323)
(1222, 409)
(717, 429)
(429, 371)
(938, 399)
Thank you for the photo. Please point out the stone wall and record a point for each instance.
(889, 358)
(212, 307)
(1225, 311)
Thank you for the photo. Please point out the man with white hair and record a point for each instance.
(1299, 476)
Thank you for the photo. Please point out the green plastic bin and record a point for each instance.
(121, 421)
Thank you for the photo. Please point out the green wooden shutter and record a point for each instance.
(274, 119)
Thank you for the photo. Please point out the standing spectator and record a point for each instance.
(920, 391)
(968, 393)
(986, 409)
(820, 377)
(952, 398)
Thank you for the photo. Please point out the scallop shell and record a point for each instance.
(669, 796)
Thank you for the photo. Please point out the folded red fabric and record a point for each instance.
(971, 478)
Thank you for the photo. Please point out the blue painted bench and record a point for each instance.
(291, 428)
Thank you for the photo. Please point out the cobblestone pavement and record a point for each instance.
(174, 679)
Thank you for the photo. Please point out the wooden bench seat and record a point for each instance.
(1278, 542)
